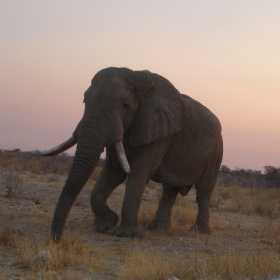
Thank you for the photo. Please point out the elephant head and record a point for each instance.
(139, 105)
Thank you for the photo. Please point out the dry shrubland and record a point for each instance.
(252, 201)
(244, 244)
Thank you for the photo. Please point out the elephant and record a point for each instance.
(150, 131)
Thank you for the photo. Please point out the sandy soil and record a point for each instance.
(31, 215)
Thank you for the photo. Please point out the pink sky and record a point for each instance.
(225, 54)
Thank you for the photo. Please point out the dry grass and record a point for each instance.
(74, 258)
(158, 265)
(71, 255)
(250, 201)
(9, 236)
(245, 240)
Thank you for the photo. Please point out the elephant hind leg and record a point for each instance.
(204, 190)
(163, 215)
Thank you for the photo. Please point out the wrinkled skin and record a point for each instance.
(167, 137)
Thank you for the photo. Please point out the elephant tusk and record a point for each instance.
(60, 148)
(122, 157)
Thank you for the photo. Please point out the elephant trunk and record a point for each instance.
(86, 158)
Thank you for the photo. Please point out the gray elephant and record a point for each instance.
(150, 131)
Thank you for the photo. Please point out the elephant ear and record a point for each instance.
(161, 112)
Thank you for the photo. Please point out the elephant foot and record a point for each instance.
(156, 224)
(128, 231)
(200, 228)
(106, 222)
(56, 237)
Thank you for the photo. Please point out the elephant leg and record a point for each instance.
(204, 189)
(130, 209)
(111, 176)
(163, 214)
(202, 221)
(143, 162)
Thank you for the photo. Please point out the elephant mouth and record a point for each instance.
(72, 141)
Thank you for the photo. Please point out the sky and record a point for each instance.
(225, 54)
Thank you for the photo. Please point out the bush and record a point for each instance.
(12, 182)
(272, 176)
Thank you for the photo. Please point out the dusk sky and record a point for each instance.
(225, 54)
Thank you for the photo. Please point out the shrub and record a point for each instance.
(12, 182)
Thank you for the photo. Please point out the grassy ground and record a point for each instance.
(244, 244)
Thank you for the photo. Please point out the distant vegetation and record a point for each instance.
(18, 161)
(22, 161)
(248, 178)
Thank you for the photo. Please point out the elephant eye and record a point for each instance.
(125, 105)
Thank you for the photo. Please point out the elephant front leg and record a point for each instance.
(132, 199)
(163, 215)
(109, 179)
(144, 161)
(105, 218)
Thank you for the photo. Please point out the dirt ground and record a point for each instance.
(30, 216)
